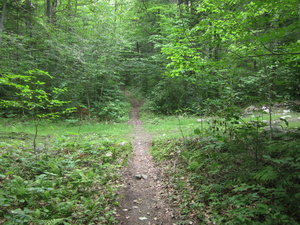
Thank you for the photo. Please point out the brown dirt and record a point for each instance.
(143, 199)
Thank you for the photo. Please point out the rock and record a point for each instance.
(276, 131)
(109, 154)
(265, 109)
(137, 201)
(266, 122)
(287, 116)
(143, 218)
(249, 109)
(123, 143)
(140, 176)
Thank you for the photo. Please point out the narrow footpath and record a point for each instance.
(143, 199)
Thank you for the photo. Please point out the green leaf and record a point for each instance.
(284, 120)
(197, 131)
(267, 174)
(51, 222)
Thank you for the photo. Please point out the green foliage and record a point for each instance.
(171, 95)
(217, 62)
(113, 110)
(193, 54)
(231, 173)
(51, 222)
(71, 180)
(32, 95)
(207, 57)
(72, 41)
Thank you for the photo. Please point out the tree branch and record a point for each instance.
(272, 54)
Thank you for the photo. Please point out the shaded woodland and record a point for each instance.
(198, 56)
(220, 60)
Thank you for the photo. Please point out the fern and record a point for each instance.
(50, 222)
(193, 166)
(267, 174)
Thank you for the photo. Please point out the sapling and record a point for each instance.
(32, 96)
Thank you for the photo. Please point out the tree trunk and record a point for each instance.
(75, 9)
(51, 10)
(87, 93)
(48, 9)
(29, 21)
(2, 21)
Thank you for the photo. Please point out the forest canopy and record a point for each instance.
(197, 55)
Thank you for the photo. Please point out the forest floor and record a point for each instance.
(144, 200)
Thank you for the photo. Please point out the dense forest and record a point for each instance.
(216, 59)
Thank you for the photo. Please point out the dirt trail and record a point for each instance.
(143, 198)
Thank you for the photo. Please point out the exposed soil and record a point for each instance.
(143, 199)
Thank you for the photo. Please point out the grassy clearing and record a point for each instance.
(169, 127)
(70, 178)
(117, 131)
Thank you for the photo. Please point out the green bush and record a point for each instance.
(235, 174)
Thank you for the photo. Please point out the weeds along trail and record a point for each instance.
(142, 199)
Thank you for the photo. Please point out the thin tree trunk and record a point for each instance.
(29, 20)
(75, 9)
(69, 8)
(51, 10)
(48, 10)
(2, 21)
(88, 98)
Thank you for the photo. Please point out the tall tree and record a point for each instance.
(2, 21)
(51, 10)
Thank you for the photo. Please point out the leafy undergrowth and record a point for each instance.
(67, 179)
(234, 175)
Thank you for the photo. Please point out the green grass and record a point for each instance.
(169, 127)
(292, 120)
(113, 131)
